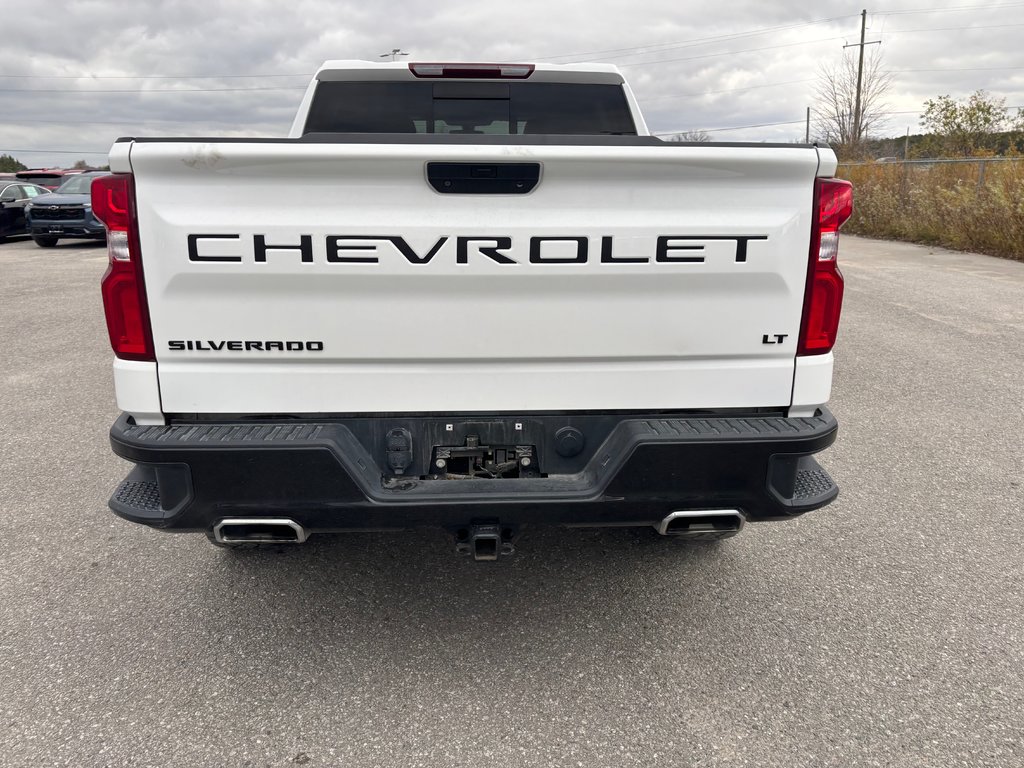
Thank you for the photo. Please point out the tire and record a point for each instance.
(45, 242)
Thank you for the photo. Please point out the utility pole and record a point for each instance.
(394, 53)
(855, 134)
(807, 128)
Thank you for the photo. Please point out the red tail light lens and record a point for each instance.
(823, 298)
(110, 200)
(123, 289)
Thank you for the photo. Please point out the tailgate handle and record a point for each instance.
(483, 178)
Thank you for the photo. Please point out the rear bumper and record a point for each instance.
(330, 475)
(67, 229)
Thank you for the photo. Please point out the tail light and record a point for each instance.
(823, 298)
(124, 292)
(472, 71)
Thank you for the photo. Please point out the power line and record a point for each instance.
(785, 122)
(30, 121)
(959, 69)
(674, 96)
(57, 151)
(645, 100)
(731, 128)
(655, 133)
(288, 88)
(149, 90)
(801, 82)
(952, 29)
(149, 77)
(637, 50)
(729, 53)
(724, 90)
(628, 64)
(697, 40)
(947, 9)
(765, 30)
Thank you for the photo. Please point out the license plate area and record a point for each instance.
(476, 461)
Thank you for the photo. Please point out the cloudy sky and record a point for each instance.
(76, 75)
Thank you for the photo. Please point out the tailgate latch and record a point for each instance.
(483, 178)
(475, 461)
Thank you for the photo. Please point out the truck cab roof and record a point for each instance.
(356, 69)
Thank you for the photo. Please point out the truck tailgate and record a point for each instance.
(291, 277)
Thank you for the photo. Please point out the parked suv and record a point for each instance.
(66, 212)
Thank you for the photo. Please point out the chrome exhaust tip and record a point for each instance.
(702, 524)
(259, 530)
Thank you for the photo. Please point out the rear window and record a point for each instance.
(456, 107)
(78, 185)
(43, 179)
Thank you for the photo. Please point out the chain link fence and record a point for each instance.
(974, 203)
(975, 167)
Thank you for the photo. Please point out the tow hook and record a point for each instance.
(484, 541)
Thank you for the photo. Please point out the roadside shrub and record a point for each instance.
(956, 205)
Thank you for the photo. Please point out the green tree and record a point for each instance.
(965, 128)
(8, 164)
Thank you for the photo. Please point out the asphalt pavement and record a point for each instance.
(884, 630)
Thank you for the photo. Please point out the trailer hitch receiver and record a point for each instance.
(484, 541)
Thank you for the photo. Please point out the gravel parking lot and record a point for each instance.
(885, 630)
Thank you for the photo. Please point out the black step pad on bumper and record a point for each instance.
(326, 475)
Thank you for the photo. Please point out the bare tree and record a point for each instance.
(836, 95)
(697, 136)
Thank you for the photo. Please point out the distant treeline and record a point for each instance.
(920, 146)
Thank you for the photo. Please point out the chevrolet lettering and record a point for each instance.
(500, 249)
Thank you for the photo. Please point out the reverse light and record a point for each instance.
(122, 286)
(472, 71)
(823, 296)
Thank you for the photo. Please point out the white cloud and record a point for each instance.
(683, 79)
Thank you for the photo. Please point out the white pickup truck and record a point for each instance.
(475, 296)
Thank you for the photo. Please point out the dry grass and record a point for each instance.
(941, 204)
